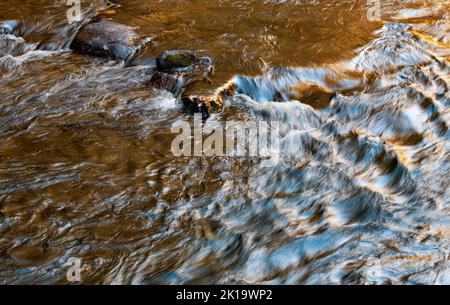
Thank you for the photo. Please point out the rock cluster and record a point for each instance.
(172, 70)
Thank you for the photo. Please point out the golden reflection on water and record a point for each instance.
(86, 168)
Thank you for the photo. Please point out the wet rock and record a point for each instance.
(106, 38)
(177, 69)
(199, 104)
(166, 82)
(179, 61)
(206, 105)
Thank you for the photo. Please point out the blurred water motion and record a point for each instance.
(363, 194)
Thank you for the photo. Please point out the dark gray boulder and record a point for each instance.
(105, 38)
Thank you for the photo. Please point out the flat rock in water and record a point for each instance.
(106, 38)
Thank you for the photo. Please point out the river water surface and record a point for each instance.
(362, 195)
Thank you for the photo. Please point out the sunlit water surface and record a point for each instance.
(362, 195)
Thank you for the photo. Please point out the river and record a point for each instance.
(362, 195)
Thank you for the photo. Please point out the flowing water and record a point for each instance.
(362, 195)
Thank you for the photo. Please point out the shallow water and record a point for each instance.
(362, 195)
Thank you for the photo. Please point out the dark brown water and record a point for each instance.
(363, 194)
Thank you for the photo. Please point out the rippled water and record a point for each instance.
(362, 195)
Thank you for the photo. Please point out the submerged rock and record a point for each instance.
(211, 103)
(106, 38)
(181, 61)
